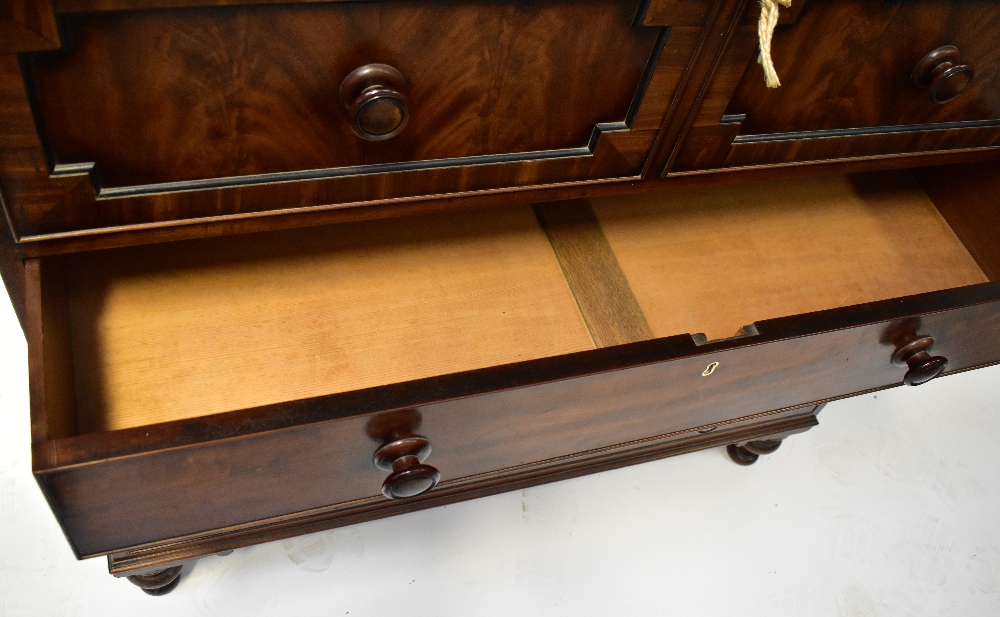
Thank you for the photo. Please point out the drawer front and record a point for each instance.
(313, 457)
(854, 83)
(149, 117)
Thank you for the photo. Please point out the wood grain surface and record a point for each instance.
(967, 197)
(12, 271)
(165, 333)
(857, 102)
(867, 82)
(254, 90)
(200, 396)
(715, 259)
(200, 545)
(27, 25)
(494, 88)
(601, 290)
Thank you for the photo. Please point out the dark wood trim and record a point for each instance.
(722, 24)
(11, 266)
(831, 145)
(786, 15)
(602, 292)
(452, 492)
(34, 332)
(27, 25)
(105, 193)
(967, 198)
(131, 235)
(847, 165)
(698, 12)
(679, 12)
(861, 131)
(94, 6)
(644, 83)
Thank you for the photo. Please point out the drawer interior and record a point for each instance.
(165, 332)
(713, 259)
(141, 335)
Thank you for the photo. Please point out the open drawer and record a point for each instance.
(201, 395)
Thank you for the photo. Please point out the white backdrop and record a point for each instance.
(889, 507)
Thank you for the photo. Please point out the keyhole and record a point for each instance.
(711, 369)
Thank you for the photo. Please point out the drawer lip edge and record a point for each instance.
(759, 138)
(850, 164)
(460, 489)
(55, 243)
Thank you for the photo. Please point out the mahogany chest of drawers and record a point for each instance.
(285, 266)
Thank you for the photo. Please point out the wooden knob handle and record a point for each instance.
(404, 457)
(943, 74)
(923, 367)
(374, 98)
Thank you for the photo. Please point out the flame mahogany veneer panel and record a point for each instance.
(167, 96)
(163, 120)
(846, 72)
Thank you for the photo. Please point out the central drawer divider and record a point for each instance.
(609, 308)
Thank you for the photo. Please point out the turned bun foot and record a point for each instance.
(741, 456)
(748, 453)
(158, 583)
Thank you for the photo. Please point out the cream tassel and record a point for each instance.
(765, 31)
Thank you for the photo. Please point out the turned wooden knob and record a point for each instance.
(374, 98)
(943, 74)
(923, 367)
(404, 457)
